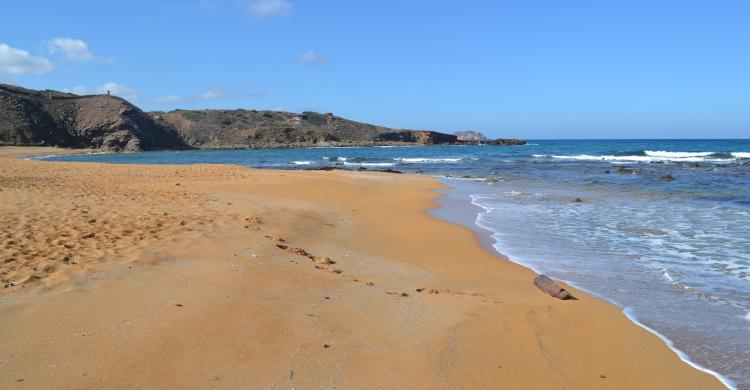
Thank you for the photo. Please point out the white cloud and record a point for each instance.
(215, 93)
(74, 50)
(267, 8)
(118, 90)
(19, 62)
(311, 57)
(171, 99)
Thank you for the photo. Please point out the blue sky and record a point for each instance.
(531, 69)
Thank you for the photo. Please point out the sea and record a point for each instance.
(660, 228)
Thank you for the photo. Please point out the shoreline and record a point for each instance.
(517, 302)
(484, 236)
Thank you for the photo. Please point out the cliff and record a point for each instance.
(29, 117)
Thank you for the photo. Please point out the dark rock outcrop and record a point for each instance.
(506, 142)
(29, 117)
(418, 136)
(666, 178)
(625, 170)
(544, 283)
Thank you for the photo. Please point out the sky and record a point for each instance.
(528, 69)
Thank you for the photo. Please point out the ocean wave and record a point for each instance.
(630, 314)
(645, 159)
(662, 153)
(416, 160)
(740, 154)
(667, 276)
(372, 164)
(303, 162)
(339, 159)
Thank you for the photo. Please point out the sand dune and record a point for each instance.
(201, 276)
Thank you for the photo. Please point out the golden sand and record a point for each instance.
(207, 276)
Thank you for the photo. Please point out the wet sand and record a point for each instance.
(208, 276)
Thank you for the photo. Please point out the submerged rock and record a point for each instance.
(624, 169)
(667, 178)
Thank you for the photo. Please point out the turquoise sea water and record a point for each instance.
(659, 227)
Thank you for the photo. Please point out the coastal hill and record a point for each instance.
(221, 129)
(46, 117)
(30, 117)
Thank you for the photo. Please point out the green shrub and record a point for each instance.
(314, 118)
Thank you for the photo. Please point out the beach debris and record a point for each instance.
(9, 285)
(544, 283)
(667, 178)
(89, 235)
(326, 346)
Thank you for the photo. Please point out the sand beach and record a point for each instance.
(219, 276)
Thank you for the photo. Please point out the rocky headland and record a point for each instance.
(53, 118)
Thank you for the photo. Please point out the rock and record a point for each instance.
(667, 178)
(626, 170)
(506, 142)
(423, 137)
(544, 283)
(471, 136)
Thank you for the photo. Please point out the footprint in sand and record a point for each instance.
(322, 261)
(447, 291)
(401, 294)
(252, 222)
